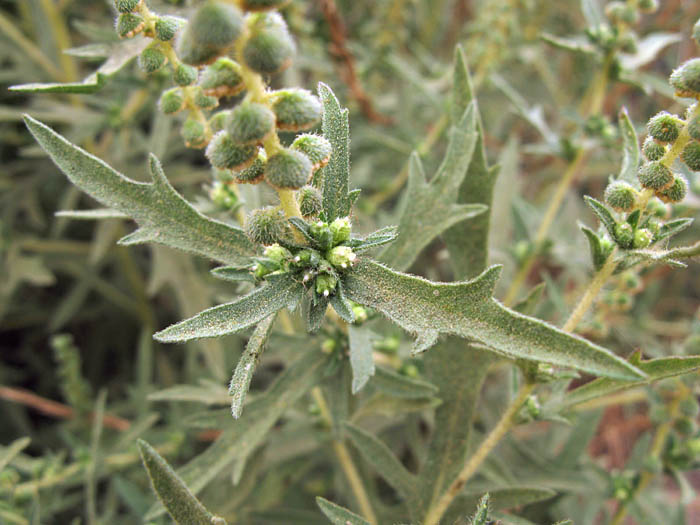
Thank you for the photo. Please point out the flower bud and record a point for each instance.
(341, 257)
(317, 148)
(676, 192)
(306, 258)
(653, 150)
(685, 79)
(263, 5)
(642, 238)
(126, 6)
(321, 233)
(253, 173)
(648, 6)
(288, 169)
(620, 12)
(685, 426)
(167, 26)
(270, 47)
(620, 195)
(184, 75)
(223, 197)
(216, 24)
(250, 123)
(203, 101)
(193, 53)
(689, 407)
(152, 58)
(129, 25)
(296, 109)
(310, 201)
(691, 155)
(218, 120)
(194, 133)
(694, 128)
(629, 42)
(360, 313)
(171, 101)
(225, 153)
(664, 127)
(278, 254)
(655, 176)
(340, 228)
(624, 235)
(223, 78)
(266, 225)
(325, 284)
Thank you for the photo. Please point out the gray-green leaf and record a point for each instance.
(163, 215)
(339, 515)
(361, 359)
(180, 503)
(630, 149)
(398, 385)
(467, 309)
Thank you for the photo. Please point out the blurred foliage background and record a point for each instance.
(77, 311)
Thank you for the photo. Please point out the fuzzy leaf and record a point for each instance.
(468, 310)
(467, 241)
(206, 393)
(630, 149)
(339, 515)
(672, 228)
(8, 453)
(429, 208)
(602, 213)
(481, 516)
(361, 359)
(163, 215)
(180, 503)
(91, 84)
(655, 369)
(91, 215)
(233, 273)
(336, 129)
(235, 316)
(648, 48)
(498, 499)
(383, 461)
(240, 382)
(342, 306)
(374, 239)
(398, 385)
(598, 254)
(577, 45)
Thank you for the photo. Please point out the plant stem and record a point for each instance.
(346, 463)
(506, 422)
(289, 203)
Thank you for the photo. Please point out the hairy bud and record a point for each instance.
(685, 79)
(620, 12)
(278, 254)
(642, 238)
(655, 176)
(126, 6)
(204, 101)
(129, 24)
(676, 192)
(317, 148)
(691, 155)
(266, 225)
(193, 53)
(325, 284)
(270, 48)
(253, 173)
(624, 235)
(340, 228)
(185, 75)
(171, 101)
(225, 153)
(167, 26)
(250, 123)
(694, 128)
(263, 5)
(216, 24)
(652, 149)
(648, 6)
(310, 201)
(664, 127)
(194, 133)
(341, 257)
(288, 169)
(223, 78)
(296, 109)
(152, 58)
(620, 195)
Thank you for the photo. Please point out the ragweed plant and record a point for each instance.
(280, 223)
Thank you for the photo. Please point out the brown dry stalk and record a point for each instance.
(346, 62)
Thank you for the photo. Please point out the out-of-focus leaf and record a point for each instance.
(528, 304)
(91, 215)
(8, 453)
(672, 228)
(575, 44)
(163, 215)
(361, 359)
(206, 393)
(498, 499)
(602, 213)
(647, 48)
(467, 309)
(630, 151)
(374, 239)
(398, 385)
(91, 84)
(339, 515)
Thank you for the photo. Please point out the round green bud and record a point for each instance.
(691, 155)
(628, 42)
(263, 5)
(296, 109)
(694, 128)
(689, 407)
(218, 120)
(225, 153)
(306, 258)
(685, 426)
(664, 127)
(630, 281)
(184, 75)
(171, 101)
(685, 79)
(642, 238)
(204, 101)
(655, 176)
(250, 123)
(167, 26)
(223, 78)
(317, 148)
(223, 196)
(653, 225)
(676, 192)
(321, 233)
(652, 149)
(648, 6)
(216, 24)
(278, 254)
(341, 257)
(194, 133)
(656, 208)
(409, 370)
(129, 24)
(266, 225)
(620, 12)
(126, 6)
(310, 201)
(193, 53)
(696, 32)
(152, 58)
(270, 47)
(288, 169)
(624, 235)
(360, 313)
(253, 173)
(340, 228)
(620, 195)
(325, 284)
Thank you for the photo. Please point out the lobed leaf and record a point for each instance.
(238, 315)
(361, 358)
(468, 310)
(240, 382)
(163, 215)
(180, 503)
(339, 515)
